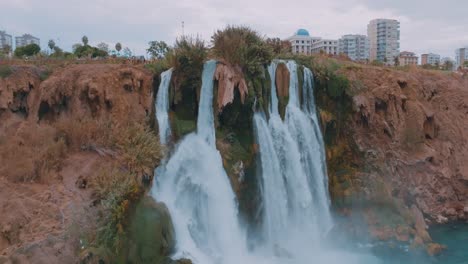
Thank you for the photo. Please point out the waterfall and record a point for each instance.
(205, 122)
(294, 190)
(162, 107)
(197, 191)
(274, 99)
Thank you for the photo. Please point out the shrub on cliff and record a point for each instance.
(188, 53)
(28, 50)
(5, 71)
(187, 58)
(240, 45)
(88, 51)
(134, 150)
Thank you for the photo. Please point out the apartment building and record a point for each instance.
(327, 46)
(461, 56)
(356, 47)
(430, 59)
(301, 42)
(408, 58)
(26, 39)
(384, 40)
(5, 40)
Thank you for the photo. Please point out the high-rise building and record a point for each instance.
(5, 40)
(327, 46)
(461, 56)
(301, 42)
(356, 47)
(26, 39)
(430, 59)
(408, 58)
(384, 39)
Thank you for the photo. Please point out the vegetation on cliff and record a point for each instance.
(96, 114)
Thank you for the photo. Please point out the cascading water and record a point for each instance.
(162, 107)
(196, 189)
(294, 180)
(299, 207)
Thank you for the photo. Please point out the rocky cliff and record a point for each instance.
(59, 138)
(397, 152)
(396, 149)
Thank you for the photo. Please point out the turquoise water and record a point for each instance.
(454, 236)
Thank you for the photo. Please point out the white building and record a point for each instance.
(5, 40)
(327, 46)
(430, 59)
(301, 42)
(356, 47)
(461, 56)
(384, 39)
(26, 39)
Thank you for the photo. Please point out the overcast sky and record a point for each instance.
(426, 25)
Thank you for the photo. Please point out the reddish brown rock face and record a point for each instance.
(282, 80)
(414, 124)
(41, 219)
(229, 78)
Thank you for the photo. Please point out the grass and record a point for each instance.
(117, 189)
(32, 155)
(5, 71)
(118, 186)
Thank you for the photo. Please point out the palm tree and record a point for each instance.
(118, 47)
(84, 39)
(51, 44)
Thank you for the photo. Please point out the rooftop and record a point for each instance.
(302, 32)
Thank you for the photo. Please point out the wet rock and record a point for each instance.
(282, 80)
(434, 249)
(151, 235)
(229, 78)
(420, 225)
(441, 219)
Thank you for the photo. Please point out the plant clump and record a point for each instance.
(240, 45)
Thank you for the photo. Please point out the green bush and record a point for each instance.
(188, 52)
(239, 45)
(5, 71)
(158, 66)
(88, 51)
(117, 190)
(28, 50)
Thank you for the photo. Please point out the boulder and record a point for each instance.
(151, 234)
(435, 249)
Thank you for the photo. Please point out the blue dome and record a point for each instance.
(302, 32)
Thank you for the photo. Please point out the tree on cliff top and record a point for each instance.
(51, 44)
(279, 46)
(240, 45)
(118, 47)
(157, 49)
(28, 50)
(84, 39)
(103, 46)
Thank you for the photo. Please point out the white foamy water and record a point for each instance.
(162, 107)
(296, 215)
